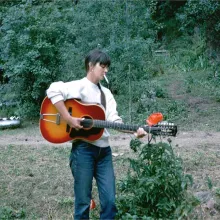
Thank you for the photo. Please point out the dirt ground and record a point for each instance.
(184, 139)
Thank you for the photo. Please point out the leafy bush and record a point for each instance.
(30, 45)
(204, 15)
(8, 213)
(45, 41)
(155, 186)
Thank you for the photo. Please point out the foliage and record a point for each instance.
(165, 15)
(42, 41)
(8, 213)
(154, 98)
(176, 17)
(46, 41)
(204, 15)
(31, 52)
(188, 53)
(155, 186)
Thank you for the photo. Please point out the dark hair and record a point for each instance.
(97, 56)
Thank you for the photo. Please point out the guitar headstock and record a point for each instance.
(157, 126)
(164, 128)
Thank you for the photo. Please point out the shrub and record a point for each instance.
(45, 41)
(8, 213)
(155, 186)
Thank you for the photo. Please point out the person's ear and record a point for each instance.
(91, 66)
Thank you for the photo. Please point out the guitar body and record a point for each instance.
(55, 130)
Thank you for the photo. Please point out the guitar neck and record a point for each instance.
(168, 129)
(115, 125)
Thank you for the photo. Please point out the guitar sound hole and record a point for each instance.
(87, 130)
(87, 123)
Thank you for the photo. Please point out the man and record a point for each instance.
(90, 159)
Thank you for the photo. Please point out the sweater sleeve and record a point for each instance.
(112, 113)
(62, 91)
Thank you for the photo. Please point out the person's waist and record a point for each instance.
(102, 142)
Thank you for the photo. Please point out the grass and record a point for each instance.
(35, 176)
(199, 97)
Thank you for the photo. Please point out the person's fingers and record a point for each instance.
(75, 123)
(140, 133)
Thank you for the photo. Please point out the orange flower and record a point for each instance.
(154, 118)
(92, 204)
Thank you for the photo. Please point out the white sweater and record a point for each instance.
(86, 91)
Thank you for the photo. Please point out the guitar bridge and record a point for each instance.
(57, 121)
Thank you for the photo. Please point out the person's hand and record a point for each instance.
(140, 133)
(74, 122)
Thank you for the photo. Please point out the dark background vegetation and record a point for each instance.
(42, 41)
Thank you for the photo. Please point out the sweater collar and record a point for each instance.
(90, 83)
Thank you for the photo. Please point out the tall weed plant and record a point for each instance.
(147, 97)
(188, 53)
(156, 185)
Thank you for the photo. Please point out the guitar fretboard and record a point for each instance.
(162, 128)
(115, 125)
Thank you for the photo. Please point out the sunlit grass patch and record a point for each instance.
(35, 179)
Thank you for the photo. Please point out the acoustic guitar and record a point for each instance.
(55, 130)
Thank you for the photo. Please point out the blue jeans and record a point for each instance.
(88, 161)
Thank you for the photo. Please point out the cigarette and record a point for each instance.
(106, 79)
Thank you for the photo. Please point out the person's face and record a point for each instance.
(98, 71)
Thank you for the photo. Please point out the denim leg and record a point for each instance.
(82, 167)
(105, 179)
(88, 161)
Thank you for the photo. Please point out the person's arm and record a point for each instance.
(71, 121)
(58, 92)
(138, 134)
(113, 116)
